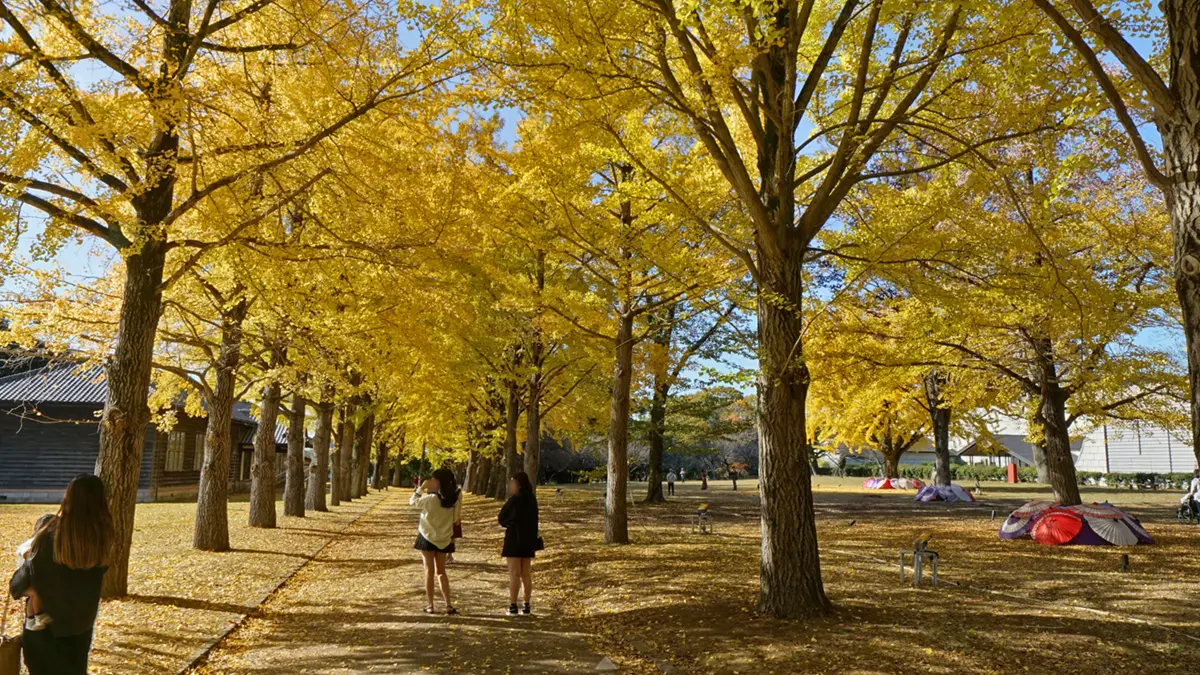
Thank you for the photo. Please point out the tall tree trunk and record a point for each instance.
(211, 529)
(293, 487)
(262, 473)
(657, 433)
(398, 463)
(616, 518)
(126, 413)
(318, 470)
(533, 428)
(483, 476)
(1039, 463)
(891, 463)
(363, 441)
(511, 460)
(379, 478)
(472, 466)
(939, 418)
(1181, 145)
(662, 337)
(335, 459)
(347, 453)
(537, 356)
(1056, 437)
(790, 571)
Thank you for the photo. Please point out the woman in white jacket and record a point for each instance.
(441, 508)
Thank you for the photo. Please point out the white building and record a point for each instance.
(1133, 447)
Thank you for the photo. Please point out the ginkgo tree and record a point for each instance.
(795, 105)
(1041, 273)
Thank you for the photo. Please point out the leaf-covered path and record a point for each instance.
(357, 608)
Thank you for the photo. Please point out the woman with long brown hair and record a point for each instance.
(64, 572)
(519, 517)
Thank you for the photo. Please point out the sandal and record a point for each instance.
(429, 610)
(451, 611)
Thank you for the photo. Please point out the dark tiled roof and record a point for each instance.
(241, 413)
(57, 383)
(71, 383)
(1015, 445)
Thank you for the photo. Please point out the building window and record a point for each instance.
(198, 457)
(247, 458)
(175, 445)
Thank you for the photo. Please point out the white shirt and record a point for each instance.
(670, 478)
(1193, 491)
(437, 522)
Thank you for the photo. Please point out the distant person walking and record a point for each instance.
(682, 475)
(671, 484)
(441, 508)
(62, 577)
(519, 517)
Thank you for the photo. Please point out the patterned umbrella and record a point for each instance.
(943, 493)
(892, 484)
(1080, 525)
(1056, 527)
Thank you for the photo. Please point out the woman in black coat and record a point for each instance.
(63, 575)
(519, 517)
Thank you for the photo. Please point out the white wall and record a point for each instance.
(1136, 448)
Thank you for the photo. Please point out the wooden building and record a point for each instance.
(49, 433)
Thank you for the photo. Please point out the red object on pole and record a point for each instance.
(1012, 473)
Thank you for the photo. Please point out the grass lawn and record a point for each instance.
(181, 598)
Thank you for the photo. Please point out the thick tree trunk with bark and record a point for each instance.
(790, 570)
(364, 439)
(318, 470)
(658, 443)
(483, 476)
(1056, 437)
(616, 518)
(939, 418)
(472, 465)
(293, 487)
(891, 463)
(335, 459)
(379, 479)
(664, 323)
(211, 529)
(1039, 463)
(512, 460)
(346, 454)
(398, 462)
(262, 472)
(1181, 145)
(126, 413)
(533, 429)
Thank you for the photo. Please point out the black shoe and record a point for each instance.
(525, 609)
(512, 610)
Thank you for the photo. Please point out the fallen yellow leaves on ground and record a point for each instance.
(180, 599)
(673, 601)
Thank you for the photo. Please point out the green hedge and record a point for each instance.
(1028, 474)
